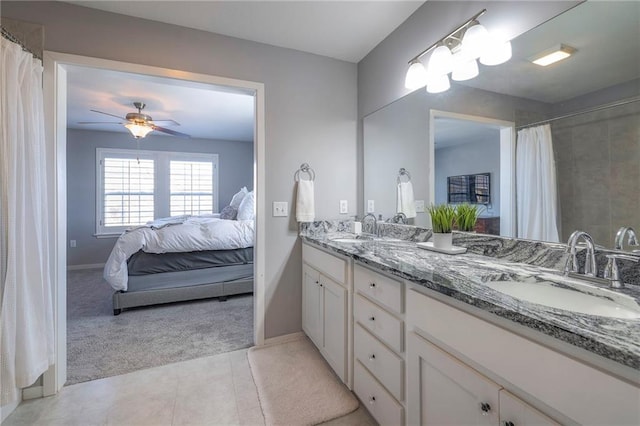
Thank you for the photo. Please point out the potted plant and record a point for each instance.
(442, 217)
(466, 216)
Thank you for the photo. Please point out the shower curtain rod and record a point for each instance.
(586, 111)
(12, 38)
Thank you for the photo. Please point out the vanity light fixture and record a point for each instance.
(457, 53)
(553, 55)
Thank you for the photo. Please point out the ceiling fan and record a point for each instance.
(140, 124)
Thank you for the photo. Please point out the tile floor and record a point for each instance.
(208, 391)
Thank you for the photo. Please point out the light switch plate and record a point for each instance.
(371, 206)
(280, 209)
(344, 207)
(419, 204)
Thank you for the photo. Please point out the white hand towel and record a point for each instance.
(406, 203)
(305, 210)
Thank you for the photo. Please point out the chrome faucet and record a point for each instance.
(375, 222)
(622, 232)
(399, 218)
(612, 273)
(571, 266)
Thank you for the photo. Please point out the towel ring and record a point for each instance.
(305, 168)
(403, 172)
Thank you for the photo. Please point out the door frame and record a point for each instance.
(55, 110)
(507, 164)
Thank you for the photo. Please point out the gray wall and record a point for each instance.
(474, 157)
(311, 115)
(235, 161)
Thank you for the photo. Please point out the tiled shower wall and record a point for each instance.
(598, 171)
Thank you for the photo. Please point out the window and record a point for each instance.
(134, 187)
(191, 187)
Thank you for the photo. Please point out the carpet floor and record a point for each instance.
(296, 386)
(100, 344)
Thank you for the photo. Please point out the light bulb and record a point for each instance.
(416, 76)
(440, 62)
(498, 50)
(475, 41)
(438, 84)
(464, 67)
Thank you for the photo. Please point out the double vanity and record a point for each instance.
(497, 335)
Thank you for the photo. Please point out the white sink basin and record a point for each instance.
(594, 301)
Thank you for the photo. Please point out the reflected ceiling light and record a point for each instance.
(470, 40)
(553, 55)
(416, 76)
(138, 130)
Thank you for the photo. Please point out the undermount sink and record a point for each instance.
(578, 298)
(364, 240)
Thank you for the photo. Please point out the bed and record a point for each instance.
(179, 259)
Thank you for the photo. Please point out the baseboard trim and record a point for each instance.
(6, 410)
(284, 338)
(87, 266)
(33, 392)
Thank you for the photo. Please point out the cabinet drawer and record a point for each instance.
(379, 288)
(332, 266)
(385, 365)
(381, 405)
(379, 322)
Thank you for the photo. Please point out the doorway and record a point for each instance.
(475, 126)
(56, 66)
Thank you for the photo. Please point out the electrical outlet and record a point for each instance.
(371, 206)
(344, 207)
(419, 204)
(72, 243)
(280, 209)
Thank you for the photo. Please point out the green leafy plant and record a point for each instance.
(466, 216)
(442, 217)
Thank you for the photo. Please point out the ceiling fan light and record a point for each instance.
(440, 62)
(138, 130)
(475, 41)
(464, 68)
(439, 84)
(416, 76)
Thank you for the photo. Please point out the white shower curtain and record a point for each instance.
(536, 185)
(26, 315)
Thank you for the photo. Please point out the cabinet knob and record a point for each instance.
(372, 399)
(372, 285)
(317, 282)
(372, 318)
(372, 357)
(320, 284)
(508, 423)
(485, 407)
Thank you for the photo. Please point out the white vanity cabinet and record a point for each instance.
(444, 391)
(456, 362)
(379, 366)
(325, 306)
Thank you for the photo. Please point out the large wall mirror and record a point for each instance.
(471, 128)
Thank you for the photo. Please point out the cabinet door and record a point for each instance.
(444, 391)
(335, 325)
(515, 412)
(312, 304)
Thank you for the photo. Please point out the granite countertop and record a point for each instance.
(462, 277)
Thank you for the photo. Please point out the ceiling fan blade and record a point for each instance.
(166, 122)
(98, 122)
(106, 113)
(170, 132)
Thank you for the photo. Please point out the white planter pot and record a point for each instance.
(443, 241)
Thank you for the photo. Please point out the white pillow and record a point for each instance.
(237, 197)
(247, 210)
